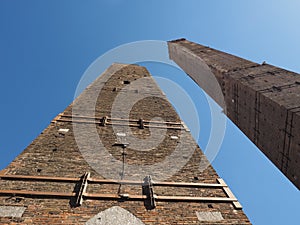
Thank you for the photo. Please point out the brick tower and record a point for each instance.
(119, 154)
(261, 99)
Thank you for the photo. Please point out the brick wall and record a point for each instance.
(261, 99)
(69, 154)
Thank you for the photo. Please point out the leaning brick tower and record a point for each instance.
(261, 99)
(95, 164)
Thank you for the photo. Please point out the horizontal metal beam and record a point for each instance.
(120, 119)
(117, 197)
(36, 193)
(119, 124)
(111, 181)
(196, 199)
(40, 178)
(195, 185)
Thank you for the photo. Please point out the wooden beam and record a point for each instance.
(196, 199)
(57, 118)
(182, 184)
(115, 196)
(40, 178)
(120, 119)
(146, 121)
(160, 198)
(82, 117)
(185, 126)
(111, 181)
(123, 124)
(119, 124)
(164, 127)
(78, 121)
(36, 193)
(170, 184)
(107, 181)
(2, 172)
(228, 192)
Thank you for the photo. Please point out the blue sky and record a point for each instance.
(45, 47)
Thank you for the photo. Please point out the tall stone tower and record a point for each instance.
(119, 154)
(261, 99)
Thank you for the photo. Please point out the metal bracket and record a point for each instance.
(149, 192)
(82, 189)
(103, 121)
(141, 123)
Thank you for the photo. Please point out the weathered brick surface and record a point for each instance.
(261, 99)
(56, 153)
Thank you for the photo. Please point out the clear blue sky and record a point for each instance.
(45, 47)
